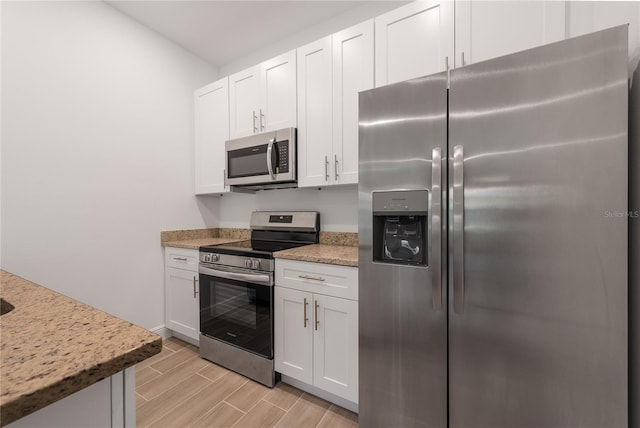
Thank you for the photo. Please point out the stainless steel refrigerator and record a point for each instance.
(493, 242)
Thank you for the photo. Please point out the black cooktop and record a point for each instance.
(260, 249)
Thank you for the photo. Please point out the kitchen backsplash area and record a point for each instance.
(338, 206)
(348, 239)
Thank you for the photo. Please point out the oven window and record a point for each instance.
(238, 313)
(248, 162)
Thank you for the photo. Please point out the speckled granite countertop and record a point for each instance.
(52, 346)
(321, 253)
(194, 238)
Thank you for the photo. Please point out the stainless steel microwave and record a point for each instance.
(262, 161)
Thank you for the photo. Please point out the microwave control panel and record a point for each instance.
(282, 163)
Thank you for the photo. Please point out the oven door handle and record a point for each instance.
(256, 278)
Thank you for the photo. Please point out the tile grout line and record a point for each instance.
(324, 415)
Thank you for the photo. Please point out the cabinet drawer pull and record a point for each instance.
(316, 314)
(305, 313)
(195, 292)
(335, 167)
(326, 169)
(180, 259)
(315, 278)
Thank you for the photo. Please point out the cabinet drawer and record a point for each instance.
(330, 280)
(181, 258)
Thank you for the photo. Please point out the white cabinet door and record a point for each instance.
(293, 334)
(335, 344)
(211, 112)
(244, 102)
(588, 16)
(315, 101)
(488, 29)
(278, 93)
(182, 308)
(352, 72)
(413, 40)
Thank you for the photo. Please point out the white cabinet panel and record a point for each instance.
(293, 335)
(335, 341)
(413, 40)
(278, 93)
(315, 106)
(244, 102)
(263, 98)
(316, 333)
(488, 29)
(353, 71)
(332, 280)
(181, 292)
(588, 16)
(182, 302)
(211, 112)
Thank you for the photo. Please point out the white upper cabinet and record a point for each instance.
(315, 107)
(211, 113)
(588, 16)
(414, 40)
(263, 97)
(278, 93)
(244, 102)
(489, 29)
(353, 71)
(331, 72)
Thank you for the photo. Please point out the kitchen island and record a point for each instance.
(55, 348)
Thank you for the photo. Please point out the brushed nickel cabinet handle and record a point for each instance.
(195, 292)
(314, 278)
(326, 169)
(255, 127)
(335, 166)
(261, 117)
(305, 313)
(180, 259)
(316, 315)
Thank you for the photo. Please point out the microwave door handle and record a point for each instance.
(269, 161)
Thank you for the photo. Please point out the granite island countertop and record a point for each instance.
(52, 346)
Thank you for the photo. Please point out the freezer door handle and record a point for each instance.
(436, 227)
(458, 229)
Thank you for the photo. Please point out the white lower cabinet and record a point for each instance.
(181, 293)
(316, 335)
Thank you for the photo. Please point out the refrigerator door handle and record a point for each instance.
(436, 227)
(458, 229)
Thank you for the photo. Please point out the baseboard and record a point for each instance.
(162, 331)
(184, 338)
(313, 390)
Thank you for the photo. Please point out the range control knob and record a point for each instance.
(255, 264)
(215, 257)
(206, 257)
(247, 263)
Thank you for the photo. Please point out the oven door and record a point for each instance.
(236, 307)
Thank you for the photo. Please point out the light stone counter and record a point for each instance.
(195, 238)
(321, 253)
(52, 346)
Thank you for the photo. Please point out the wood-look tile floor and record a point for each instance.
(177, 388)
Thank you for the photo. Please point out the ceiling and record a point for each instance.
(221, 32)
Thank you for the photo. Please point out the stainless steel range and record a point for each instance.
(236, 292)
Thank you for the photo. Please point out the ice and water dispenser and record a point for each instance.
(400, 227)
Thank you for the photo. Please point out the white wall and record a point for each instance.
(97, 153)
(338, 206)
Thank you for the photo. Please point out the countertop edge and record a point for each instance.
(26, 404)
(322, 253)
